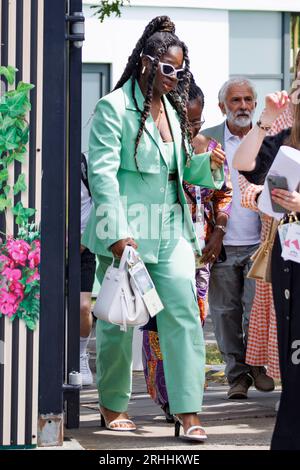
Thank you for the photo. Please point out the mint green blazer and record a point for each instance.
(116, 184)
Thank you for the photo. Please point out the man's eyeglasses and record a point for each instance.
(168, 70)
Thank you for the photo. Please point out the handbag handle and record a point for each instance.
(128, 253)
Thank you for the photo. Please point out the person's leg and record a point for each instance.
(179, 327)
(86, 322)
(153, 368)
(225, 301)
(88, 267)
(261, 380)
(249, 286)
(180, 332)
(285, 282)
(113, 364)
(154, 372)
(202, 283)
(86, 318)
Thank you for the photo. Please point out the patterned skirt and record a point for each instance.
(152, 356)
(262, 346)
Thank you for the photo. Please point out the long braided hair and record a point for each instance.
(158, 36)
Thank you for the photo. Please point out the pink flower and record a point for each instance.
(5, 261)
(34, 258)
(18, 290)
(18, 251)
(8, 303)
(34, 277)
(12, 274)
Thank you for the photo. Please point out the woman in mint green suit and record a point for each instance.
(140, 151)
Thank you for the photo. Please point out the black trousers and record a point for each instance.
(286, 293)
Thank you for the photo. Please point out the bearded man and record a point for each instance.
(231, 293)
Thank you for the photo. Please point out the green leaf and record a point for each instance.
(20, 157)
(11, 139)
(24, 87)
(6, 190)
(6, 123)
(22, 214)
(20, 184)
(107, 7)
(24, 136)
(30, 323)
(4, 174)
(9, 73)
(21, 124)
(18, 104)
(3, 106)
(10, 159)
(4, 203)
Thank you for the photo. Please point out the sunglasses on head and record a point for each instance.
(168, 70)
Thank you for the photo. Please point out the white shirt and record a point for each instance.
(86, 205)
(243, 226)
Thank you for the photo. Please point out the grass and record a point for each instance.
(213, 355)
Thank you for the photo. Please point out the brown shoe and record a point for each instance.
(262, 381)
(239, 388)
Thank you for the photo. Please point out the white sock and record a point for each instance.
(83, 344)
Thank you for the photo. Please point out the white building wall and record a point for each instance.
(204, 31)
(257, 5)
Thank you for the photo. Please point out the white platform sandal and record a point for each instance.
(114, 425)
(188, 434)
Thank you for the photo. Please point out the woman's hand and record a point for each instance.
(213, 247)
(275, 104)
(288, 200)
(118, 247)
(217, 157)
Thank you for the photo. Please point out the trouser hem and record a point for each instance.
(119, 405)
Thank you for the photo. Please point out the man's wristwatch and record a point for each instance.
(221, 227)
(264, 127)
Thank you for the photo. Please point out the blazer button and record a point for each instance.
(164, 168)
(287, 294)
(162, 190)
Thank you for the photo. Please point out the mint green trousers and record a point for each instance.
(179, 329)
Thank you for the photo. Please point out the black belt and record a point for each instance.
(173, 176)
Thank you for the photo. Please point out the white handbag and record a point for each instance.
(119, 301)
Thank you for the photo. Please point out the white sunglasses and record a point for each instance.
(168, 70)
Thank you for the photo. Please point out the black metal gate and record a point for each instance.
(40, 399)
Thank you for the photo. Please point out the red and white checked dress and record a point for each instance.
(262, 347)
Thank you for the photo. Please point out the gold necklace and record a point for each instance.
(157, 121)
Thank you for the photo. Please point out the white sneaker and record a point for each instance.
(86, 373)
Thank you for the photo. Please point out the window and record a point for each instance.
(95, 84)
(260, 50)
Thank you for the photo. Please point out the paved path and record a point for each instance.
(230, 424)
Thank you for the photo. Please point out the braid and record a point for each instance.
(133, 79)
(147, 106)
(157, 38)
(160, 23)
(148, 99)
(179, 99)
